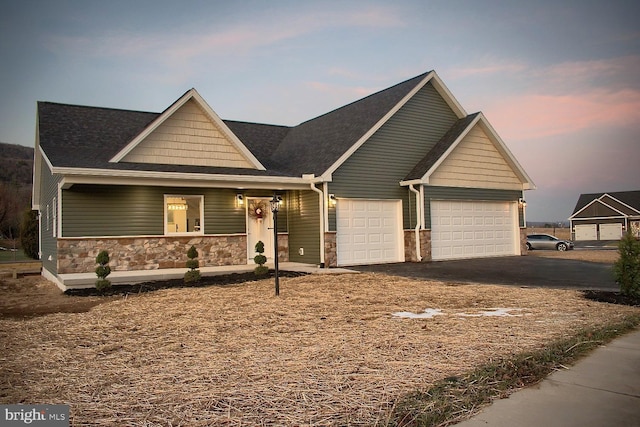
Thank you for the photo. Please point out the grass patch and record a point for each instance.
(455, 398)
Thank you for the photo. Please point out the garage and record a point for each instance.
(586, 232)
(610, 231)
(369, 231)
(473, 229)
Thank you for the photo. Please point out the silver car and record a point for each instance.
(547, 241)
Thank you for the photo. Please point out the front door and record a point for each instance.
(259, 227)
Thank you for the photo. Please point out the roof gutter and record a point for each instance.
(418, 221)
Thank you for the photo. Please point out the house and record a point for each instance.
(404, 174)
(606, 216)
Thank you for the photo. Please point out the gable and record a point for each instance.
(618, 205)
(597, 209)
(378, 164)
(476, 162)
(188, 137)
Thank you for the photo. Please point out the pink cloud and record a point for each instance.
(231, 40)
(491, 67)
(537, 116)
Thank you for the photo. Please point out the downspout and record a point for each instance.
(418, 222)
(323, 215)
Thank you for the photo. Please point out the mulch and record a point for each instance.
(612, 297)
(151, 286)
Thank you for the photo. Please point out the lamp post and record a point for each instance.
(275, 205)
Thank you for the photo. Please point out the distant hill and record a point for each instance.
(16, 164)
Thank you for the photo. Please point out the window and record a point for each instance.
(183, 214)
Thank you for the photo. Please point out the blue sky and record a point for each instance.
(559, 81)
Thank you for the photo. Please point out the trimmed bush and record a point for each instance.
(193, 275)
(260, 259)
(102, 271)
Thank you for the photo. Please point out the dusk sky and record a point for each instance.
(558, 80)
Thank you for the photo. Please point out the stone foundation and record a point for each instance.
(410, 245)
(152, 253)
(330, 249)
(523, 241)
(283, 247)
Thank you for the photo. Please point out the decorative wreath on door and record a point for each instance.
(257, 210)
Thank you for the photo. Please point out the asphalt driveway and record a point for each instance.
(516, 270)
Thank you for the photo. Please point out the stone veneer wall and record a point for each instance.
(523, 241)
(152, 253)
(410, 245)
(283, 247)
(330, 249)
(425, 245)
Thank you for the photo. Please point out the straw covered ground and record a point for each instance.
(328, 351)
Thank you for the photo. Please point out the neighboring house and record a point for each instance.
(404, 174)
(606, 216)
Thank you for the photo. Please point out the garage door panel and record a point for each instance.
(610, 231)
(378, 227)
(586, 232)
(480, 228)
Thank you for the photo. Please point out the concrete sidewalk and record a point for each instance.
(602, 389)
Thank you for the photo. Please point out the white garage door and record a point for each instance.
(586, 232)
(610, 231)
(369, 231)
(473, 229)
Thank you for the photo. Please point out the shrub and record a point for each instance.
(626, 269)
(193, 275)
(29, 234)
(260, 259)
(102, 271)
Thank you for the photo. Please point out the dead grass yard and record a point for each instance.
(326, 352)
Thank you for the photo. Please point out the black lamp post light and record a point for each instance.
(275, 206)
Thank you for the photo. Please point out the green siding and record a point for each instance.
(455, 193)
(104, 210)
(304, 226)
(110, 210)
(48, 190)
(376, 168)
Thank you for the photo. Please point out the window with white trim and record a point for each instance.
(183, 214)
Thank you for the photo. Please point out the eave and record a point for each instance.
(71, 176)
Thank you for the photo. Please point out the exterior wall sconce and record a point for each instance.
(332, 199)
(239, 200)
(522, 202)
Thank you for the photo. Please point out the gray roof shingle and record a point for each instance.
(315, 145)
(88, 137)
(631, 198)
